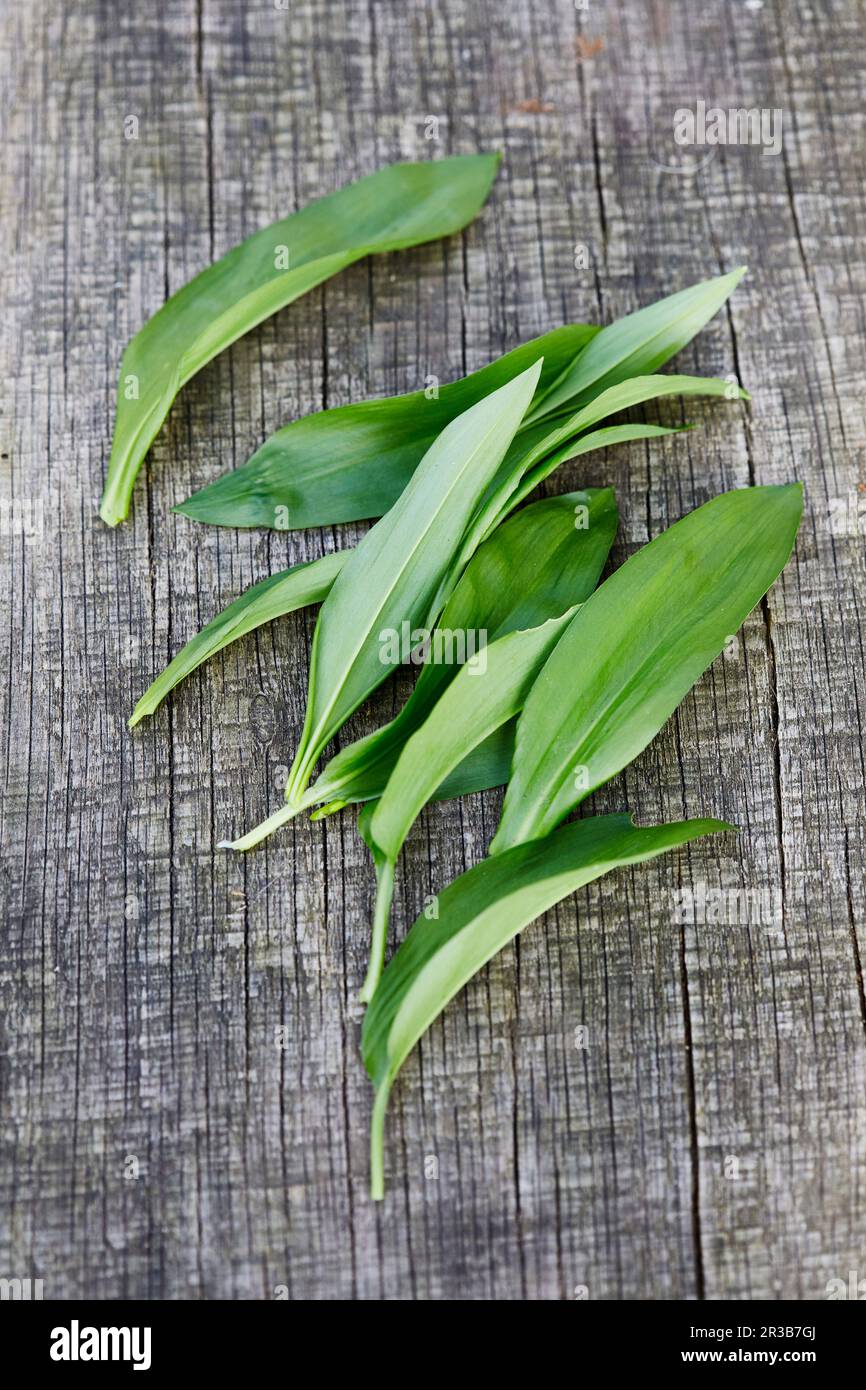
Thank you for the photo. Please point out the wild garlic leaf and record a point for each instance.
(353, 461)
(303, 584)
(399, 206)
(638, 344)
(478, 914)
(540, 562)
(398, 572)
(485, 694)
(637, 646)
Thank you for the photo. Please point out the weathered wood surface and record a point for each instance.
(184, 1111)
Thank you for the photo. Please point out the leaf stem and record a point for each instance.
(377, 1142)
(384, 893)
(299, 779)
(263, 830)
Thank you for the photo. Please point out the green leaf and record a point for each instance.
(638, 344)
(353, 461)
(568, 539)
(397, 207)
(637, 646)
(478, 914)
(396, 574)
(485, 694)
(271, 598)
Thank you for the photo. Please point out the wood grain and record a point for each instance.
(184, 1111)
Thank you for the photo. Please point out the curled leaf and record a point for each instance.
(399, 206)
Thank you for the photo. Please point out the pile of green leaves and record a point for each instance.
(573, 678)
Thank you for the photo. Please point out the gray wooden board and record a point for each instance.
(184, 1111)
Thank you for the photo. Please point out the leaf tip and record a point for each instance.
(737, 273)
(188, 508)
(491, 157)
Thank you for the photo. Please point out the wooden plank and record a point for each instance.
(622, 1105)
